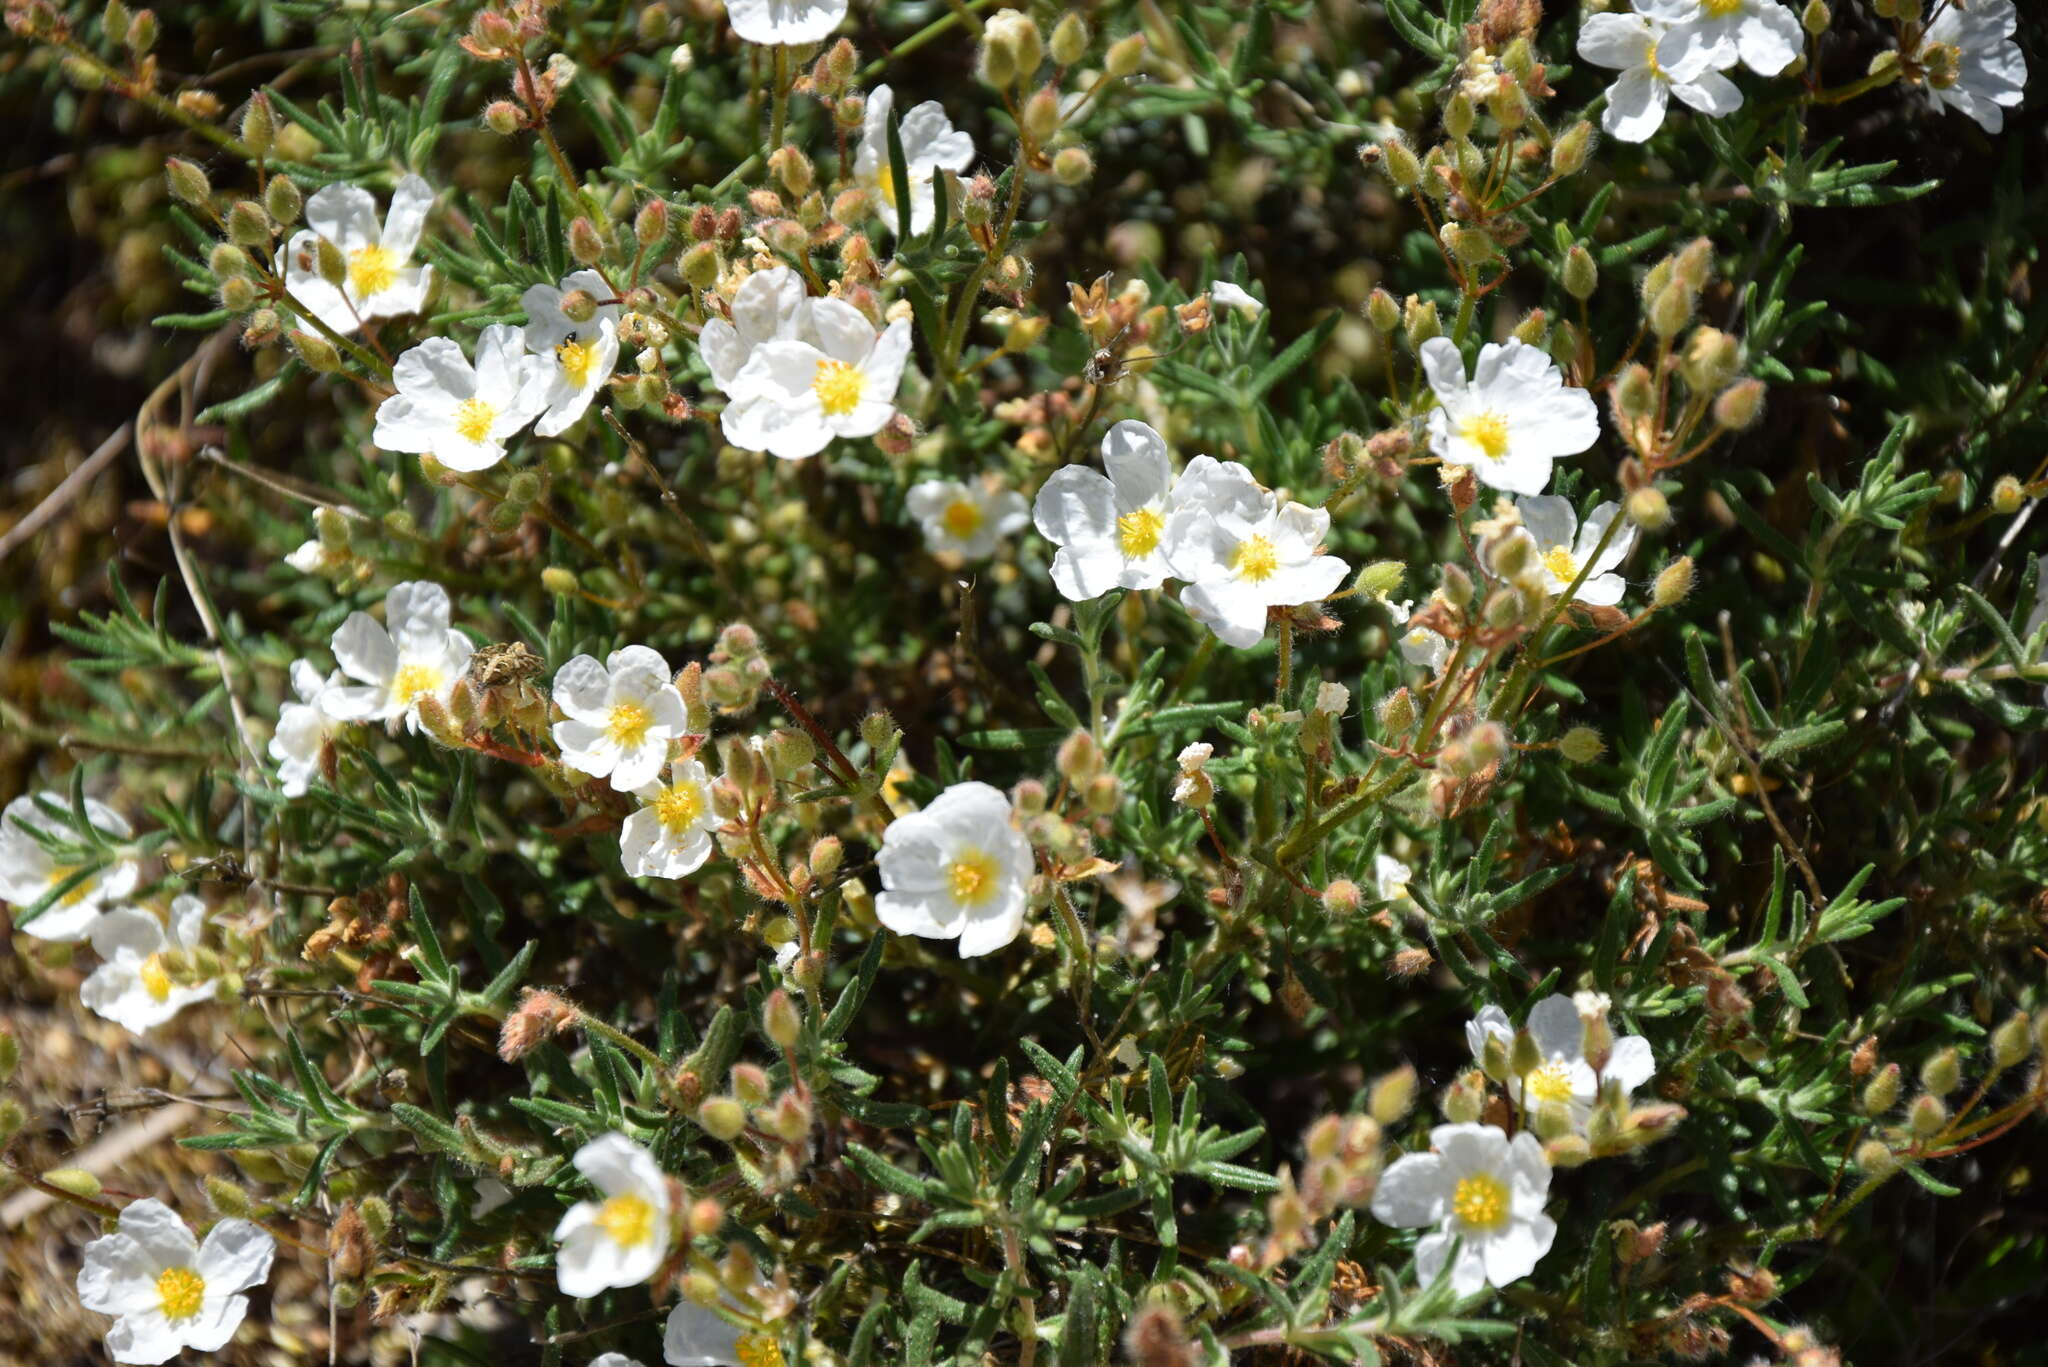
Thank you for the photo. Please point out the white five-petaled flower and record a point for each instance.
(1224, 294)
(670, 836)
(1484, 1193)
(575, 360)
(1564, 546)
(167, 1291)
(380, 279)
(1761, 34)
(458, 413)
(1390, 878)
(785, 23)
(698, 1336)
(1564, 1079)
(622, 714)
(1634, 44)
(968, 519)
(956, 870)
(768, 306)
(930, 143)
(621, 1240)
(29, 872)
(1991, 71)
(131, 987)
(1512, 418)
(1241, 555)
(412, 654)
(304, 728)
(793, 396)
(1110, 529)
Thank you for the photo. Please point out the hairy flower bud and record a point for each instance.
(1581, 275)
(315, 351)
(781, 1020)
(2012, 1041)
(1581, 745)
(1942, 1072)
(1674, 583)
(1648, 509)
(1404, 169)
(1816, 17)
(1926, 1116)
(1420, 322)
(1382, 311)
(1072, 166)
(722, 1117)
(1124, 56)
(282, 200)
(1569, 153)
(1393, 1096)
(248, 225)
(1739, 405)
(586, 244)
(1881, 1093)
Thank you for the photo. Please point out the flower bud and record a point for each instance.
(2007, 495)
(142, 32)
(1069, 40)
(1674, 583)
(282, 200)
(558, 581)
(237, 292)
(2013, 1041)
(1942, 1072)
(1568, 1151)
(1459, 116)
(10, 1054)
(699, 265)
(259, 125)
(248, 225)
(1123, 56)
(1072, 166)
(1397, 713)
(1404, 169)
(1382, 312)
(1672, 309)
(722, 1117)
(1524, 1056)
(1420, 322)
(1457, 586)
(77, 1181)
(1342, 897)
(261, 329)
(1739, 405)
(586, 244)
(781, 1020)
(1531, 329)
(1487, 743)
(502, 117)
(1816, 17)
(1926, 1116)
(316, 351)
(1648, 509)
(1103, 794)
(1581, 276)
(650, 225)
(1464, 1099)
(1634, 394)
(1568, 154)
(1392, 1096)
(1581, 745)
(1881, 1093)
(1710, 361)
(1079, 758)
(329, 263)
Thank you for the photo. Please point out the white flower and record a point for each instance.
(575, 359)
(930, 143)
(1483, 1192)
(415, 654)
(957, 869)
(967, 519)
(460, 414)
(614, 1360)
(1194, 788)
(622, 714)
(621, 1240)
(1238, 562)
(1634, 45)
(1419, 645)
(785, 22)
(1991, 71)
(29, 872)
(1762, 34)
(793, 397)
(1563, 547)
(490, 1194)
(768, 306)
(1564, 1078)
(313, 557)
(1223, 294)
(1390, 880)
(132, 988)
(304, 727)
(167, 1291)
(381, 281)
(1110, 529)
(1514, 416)
(670, 836)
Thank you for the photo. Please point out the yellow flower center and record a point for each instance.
(961, 519)
(1550, 1084)
(411, 681)
(181, 1291)
(1137, 534)
(627, 723)
(1720, 9)
(680, 807)
(1558, 560)
(576, 359)
(758, 1350)
(1650, 61)
(473, 419)
(626, 1220)
(886, 185)
(77, 894)
(838, 386)
(1488, 432)
(971, 878)
(155, 979)
(1255, 559)
(1481, 1201)
(371, 270)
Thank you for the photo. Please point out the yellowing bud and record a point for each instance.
(1581, 745)
(1674, 583)
(1069, 40)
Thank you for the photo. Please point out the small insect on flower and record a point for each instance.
(575, 359)
(670, 836)
(1484, 1193)
(1562, 1082)
(379, 279)
(132, 987)
(621, 1240)
(785, 23)
(1564, 548)
(622, 715)
(413, 654)
(30, 872)
(1634, 44)
(930, 143)
(462, 415)
(958, 870)
(304, 728)
(168, 1291)
(966, 519)
(1511, 419)
(794, 396)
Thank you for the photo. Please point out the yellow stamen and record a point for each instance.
(576, 360)
(371, 270)
(411, 681)
(679, 807)
(1481, 1201)
(838, 387)
(155, 979)
(972, 877)
(1255, 559)
(1650, 61)
(626, 1220)
(1137, 534)
(181, 1292)
(77, 894)
(1549, 1084)
(473, 419)
(627, 723)
(1558, 560)
(1488, 432)
(961, 519)
(1720, 9)
(758, 1350)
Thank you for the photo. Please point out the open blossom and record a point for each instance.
(1634, 45)
(1513, 417)
(956, 870)
(412, 654)
(1991, 71)
(1241, 557)
(670, 836)
(167, 1291)
(697, 1336)
(794, 396)
(461, 414)
(1224, 294)
(1419, 645)
(768, 306)
(785, 23)
(1564, 547)
(930, 143)
(131, 987)
(968, 519)
(1484, 1193)
(1110, 528)
(1564, 1079)
(574, 360)
(622, 715)
(29, 872)
(1390, 878)
(621, 1240)
(1762, 34)
(379, 279)
(304, 728)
